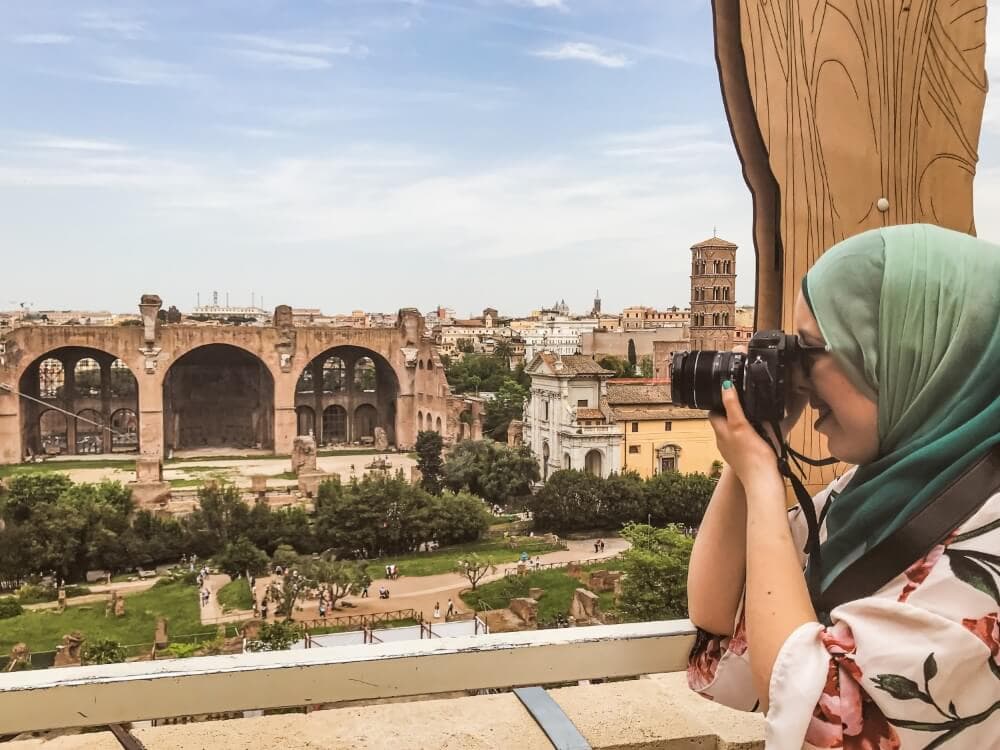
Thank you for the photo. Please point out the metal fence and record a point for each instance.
(530, 567)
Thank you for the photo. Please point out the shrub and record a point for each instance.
(10, 607)
(102, 652)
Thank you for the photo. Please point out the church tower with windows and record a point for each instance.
(713, 295)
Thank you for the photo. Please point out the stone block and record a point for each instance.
(68, 652)
(161, 639)
(527, 610)
(416, 477)
(303, 454)
(586, 607)
(310, 481)
(535, 593)
(258, 483)
(148, 470)
(150, 495)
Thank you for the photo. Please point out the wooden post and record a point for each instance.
(848, 116)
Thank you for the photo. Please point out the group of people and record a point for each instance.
(598, 546)
(449, 613)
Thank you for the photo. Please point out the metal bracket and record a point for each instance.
(125, 738)
(562, 732)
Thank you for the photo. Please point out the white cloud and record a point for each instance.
(284, 60)
(46, 39)
(118, 24)
(585, 52)
(669, 144)
(556, 4)
(142, 71)
(73, 144)
(290, 54)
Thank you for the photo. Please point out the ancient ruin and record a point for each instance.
(68, 652)
(160, 389)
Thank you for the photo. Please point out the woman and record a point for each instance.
(908, 392)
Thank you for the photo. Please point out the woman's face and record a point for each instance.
(847, 417)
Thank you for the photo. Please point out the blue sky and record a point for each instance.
(367, 153)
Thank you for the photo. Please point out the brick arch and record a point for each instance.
(69, 399)
(218, 395)
(384, 399)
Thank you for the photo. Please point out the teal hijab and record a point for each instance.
(912, 314)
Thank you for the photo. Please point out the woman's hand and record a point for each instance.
(741, 446)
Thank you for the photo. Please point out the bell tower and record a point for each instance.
(713, 294)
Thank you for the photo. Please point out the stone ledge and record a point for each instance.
(658, 713)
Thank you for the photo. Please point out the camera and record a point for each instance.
(761, 376)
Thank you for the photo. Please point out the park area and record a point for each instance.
(79, 562)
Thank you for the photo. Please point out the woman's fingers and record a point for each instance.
(734, 410)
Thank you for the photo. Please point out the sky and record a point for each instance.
(370, 154)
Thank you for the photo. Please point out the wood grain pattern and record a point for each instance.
(834, 104)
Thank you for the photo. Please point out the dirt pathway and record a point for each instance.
(421, 593)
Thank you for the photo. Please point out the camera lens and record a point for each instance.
(696, 377)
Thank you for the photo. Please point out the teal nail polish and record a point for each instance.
(727, 384)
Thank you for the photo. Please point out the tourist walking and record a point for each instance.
(263, 610)
(451, 609)
(322, 609)
(364, 592)
(437, 610)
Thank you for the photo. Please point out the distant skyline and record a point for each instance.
(371, 154)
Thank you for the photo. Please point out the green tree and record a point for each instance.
(102, 652)
(336, 578)
(506, 406)
(569, 501)
(631, 356)
(617, 365)
(429, 461)
(285, 556)
(458, 518)
(646, 366)
(475, 372)
(241, 558)
(27, 491)
(221, 517)
(656, 566)
(475, 568)
(672, 497)
(498, 473)
(10, 607)
(624, 500)
(466, 346)
(276, 636)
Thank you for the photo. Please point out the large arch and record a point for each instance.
(84, 386)
(218, 397)
(594, 463)
(349, 377)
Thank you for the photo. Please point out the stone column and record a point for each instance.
(316, 368)
(105, 364)
(68, 403)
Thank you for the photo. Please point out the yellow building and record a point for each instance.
(656, 435)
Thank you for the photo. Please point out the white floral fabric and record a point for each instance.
(916, 666)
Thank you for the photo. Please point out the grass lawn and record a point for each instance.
(556, 600)
(48, 467)
(445, 559)
(235, 595)
(43, 630)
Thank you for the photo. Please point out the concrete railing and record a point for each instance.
(123, 693)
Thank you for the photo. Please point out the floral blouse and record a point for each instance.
(914, 666)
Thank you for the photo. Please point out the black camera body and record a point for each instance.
(761, 376)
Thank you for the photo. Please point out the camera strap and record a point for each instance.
(946, 511)
(784, 453)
